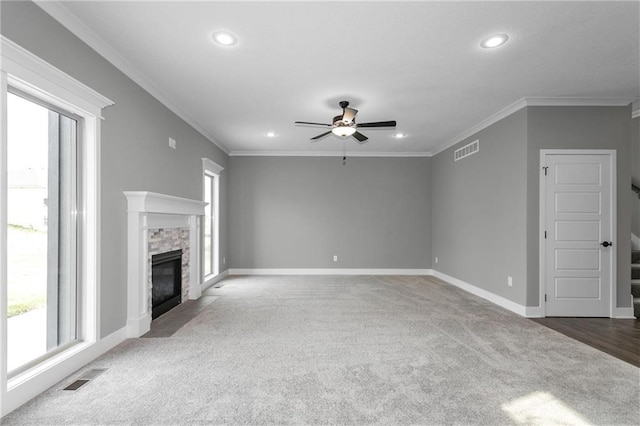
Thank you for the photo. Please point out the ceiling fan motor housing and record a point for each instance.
(337, 121)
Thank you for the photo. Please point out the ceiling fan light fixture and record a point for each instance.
(345, 125)
(493, 41)
(224, 38)
(343, 131)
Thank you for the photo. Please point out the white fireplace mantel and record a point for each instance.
(152, 202)
(150, 210)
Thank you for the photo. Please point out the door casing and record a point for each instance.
(542, 223)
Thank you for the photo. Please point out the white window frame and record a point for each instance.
(23, 70)
(210, 168)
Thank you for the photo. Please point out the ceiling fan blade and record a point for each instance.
(360, 137)
(321, 136)
(313, 124)
(378, 124)
(349, 115)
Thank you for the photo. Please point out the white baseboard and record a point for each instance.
(327, 271)
(32, 383)
(623, 313)
(211, 281)
(525, 311)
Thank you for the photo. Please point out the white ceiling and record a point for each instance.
(419, 63)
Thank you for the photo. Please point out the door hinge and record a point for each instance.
(545, 170)
(545, 235)
(545, 297)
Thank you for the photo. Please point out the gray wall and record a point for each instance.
(635, 176)
(479, 210)
(297, 212)
(135, 151)
(580, 128)
(486, 207)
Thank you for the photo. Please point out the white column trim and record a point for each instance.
(195, 283)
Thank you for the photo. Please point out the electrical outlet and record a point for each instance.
(172, 143)
(335, 257)
(510, 281)
(436, 259)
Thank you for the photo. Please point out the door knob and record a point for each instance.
(606, 243)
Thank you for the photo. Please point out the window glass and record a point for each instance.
(208, 224)
(41, 234)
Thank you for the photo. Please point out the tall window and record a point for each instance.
(211, 189)
(41, 230)
(49, 223)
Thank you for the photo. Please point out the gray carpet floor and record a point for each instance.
(348, 350)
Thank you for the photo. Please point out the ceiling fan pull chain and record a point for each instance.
(344, 153)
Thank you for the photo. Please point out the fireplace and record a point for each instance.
(159, 223)
(166, 282)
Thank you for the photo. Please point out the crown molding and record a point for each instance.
(537, 101)
(578, 101)
(505, 112)
(325, 154)
(71, 22)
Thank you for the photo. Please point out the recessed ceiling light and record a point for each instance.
(224, 38)
(271, 134)
(494, 41)
(400, 135)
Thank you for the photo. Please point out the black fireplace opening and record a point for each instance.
(166, 282)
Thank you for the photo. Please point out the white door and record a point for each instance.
(578, 235)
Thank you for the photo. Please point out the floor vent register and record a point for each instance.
(84, 379)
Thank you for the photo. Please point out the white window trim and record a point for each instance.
(23, 70)
(211, 168)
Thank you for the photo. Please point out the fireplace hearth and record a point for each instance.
(166, 282)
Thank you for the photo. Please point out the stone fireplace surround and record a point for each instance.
(165, 240)
(157, 223)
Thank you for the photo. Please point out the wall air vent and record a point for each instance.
(466, 150)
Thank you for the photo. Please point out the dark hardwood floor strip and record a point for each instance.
(617, 337)
(166, 325)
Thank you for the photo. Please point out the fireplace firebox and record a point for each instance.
(166, 282)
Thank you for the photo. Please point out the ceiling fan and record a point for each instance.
(345, 124)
